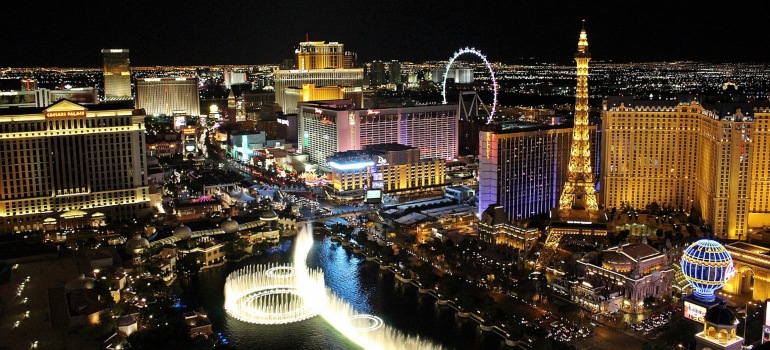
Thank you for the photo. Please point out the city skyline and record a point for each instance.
(241, 33)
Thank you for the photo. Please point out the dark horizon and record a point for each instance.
(197, 33)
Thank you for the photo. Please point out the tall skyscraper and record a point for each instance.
(168, 96)
(578, 212)
(377, 73)
(394, 72)
(69, 166)
(326, 127)
(688, 154)
(117, 74)
(523, 166)
(320, 55)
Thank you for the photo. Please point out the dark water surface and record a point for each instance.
(360, 283)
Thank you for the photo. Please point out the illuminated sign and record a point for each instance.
(352, 118)
(766, 328)
(350, 166)
(373, 196)
(65, 114)
(579, 222)
(371, 112)
(694, 312)
(116, 50)
(381, 160)
(765, 334)
(283, 121)
(318, 111)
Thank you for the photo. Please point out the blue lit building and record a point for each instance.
(522, 166)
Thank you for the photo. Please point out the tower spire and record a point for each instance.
(578, 197)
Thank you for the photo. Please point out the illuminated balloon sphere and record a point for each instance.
(707, 266)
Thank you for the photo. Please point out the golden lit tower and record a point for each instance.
(578, 212)
(578, 196)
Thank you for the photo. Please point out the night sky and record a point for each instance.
(184, 32)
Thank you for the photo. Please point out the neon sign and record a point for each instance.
(350, 166)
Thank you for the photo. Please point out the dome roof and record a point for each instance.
(614, 258)
(80, 283)
(183, 232)
(229, 226)
(136, 244)
(268, 215)
(720, 315)
(707, 266)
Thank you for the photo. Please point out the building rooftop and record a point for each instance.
(105, 106)
(519, 126)
(750, 247)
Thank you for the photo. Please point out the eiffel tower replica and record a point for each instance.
(577, 212)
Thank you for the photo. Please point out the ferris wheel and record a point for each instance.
(470, 50)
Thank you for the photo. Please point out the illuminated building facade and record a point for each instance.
(309, 92)
(686, 154)
(392, 167)
(68, 166)
(752, 271)
(523, 166)
(633, 270)
(494, 227)
(286, 79)
(320, 55)
(168, 96)
(117, 74)
(326, 127)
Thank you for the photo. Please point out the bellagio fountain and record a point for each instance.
(272, 294)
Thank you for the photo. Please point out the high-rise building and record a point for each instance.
(523, 166)
(394, 72)
(689, 154)
(350, 60)
(310, 92)
(320, 55)
(377, 73)
(117, 74)
(232, 77)
(577, 212)
(168, 96)
(295, 79)
(68, 166)
(326, 127)
(460, 75)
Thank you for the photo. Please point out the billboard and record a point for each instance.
(373, 196)
(766, 326)
(694, 312)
